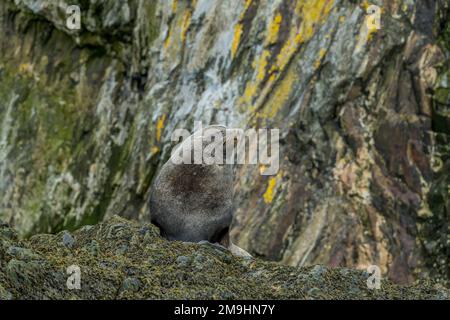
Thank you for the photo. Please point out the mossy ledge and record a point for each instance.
(121, 259)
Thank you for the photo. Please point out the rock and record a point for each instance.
(21, 275)
(87, 228)
(93, 247)
(68, 240)
(22, 253)
(315, 293)
(131, 284)
(107, 275)
(183, 261)
(4, 294)
(318, 271)
(239, 252)
(201, 262)
(122, 249)
(6, 232)
(226, 295)
(143, 231)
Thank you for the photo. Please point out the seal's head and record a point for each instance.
(194, 202)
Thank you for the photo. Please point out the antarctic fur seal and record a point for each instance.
(194, 202)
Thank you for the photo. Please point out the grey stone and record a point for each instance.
(68, 240)
(183, 261)
(131, 284)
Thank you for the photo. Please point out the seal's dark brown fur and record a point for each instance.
(193, 202)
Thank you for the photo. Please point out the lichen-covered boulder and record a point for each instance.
(120, 259)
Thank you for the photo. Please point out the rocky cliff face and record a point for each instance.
(86, 118)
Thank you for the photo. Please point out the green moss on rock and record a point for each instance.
(120, 259)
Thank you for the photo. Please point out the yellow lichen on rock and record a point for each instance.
(311, 15)
(168, 37)
(179, 26)
(236, 39)
(274, 28)
(185, 24)
(26, 68)
(318, 62)
(270, 191)
(154, 150)
(238, 29)
(174, 6)
(365, 35)
(279, 97)
(249, 93)
(160, 127)
(365, 5)
(262, 65)
(369, 27)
